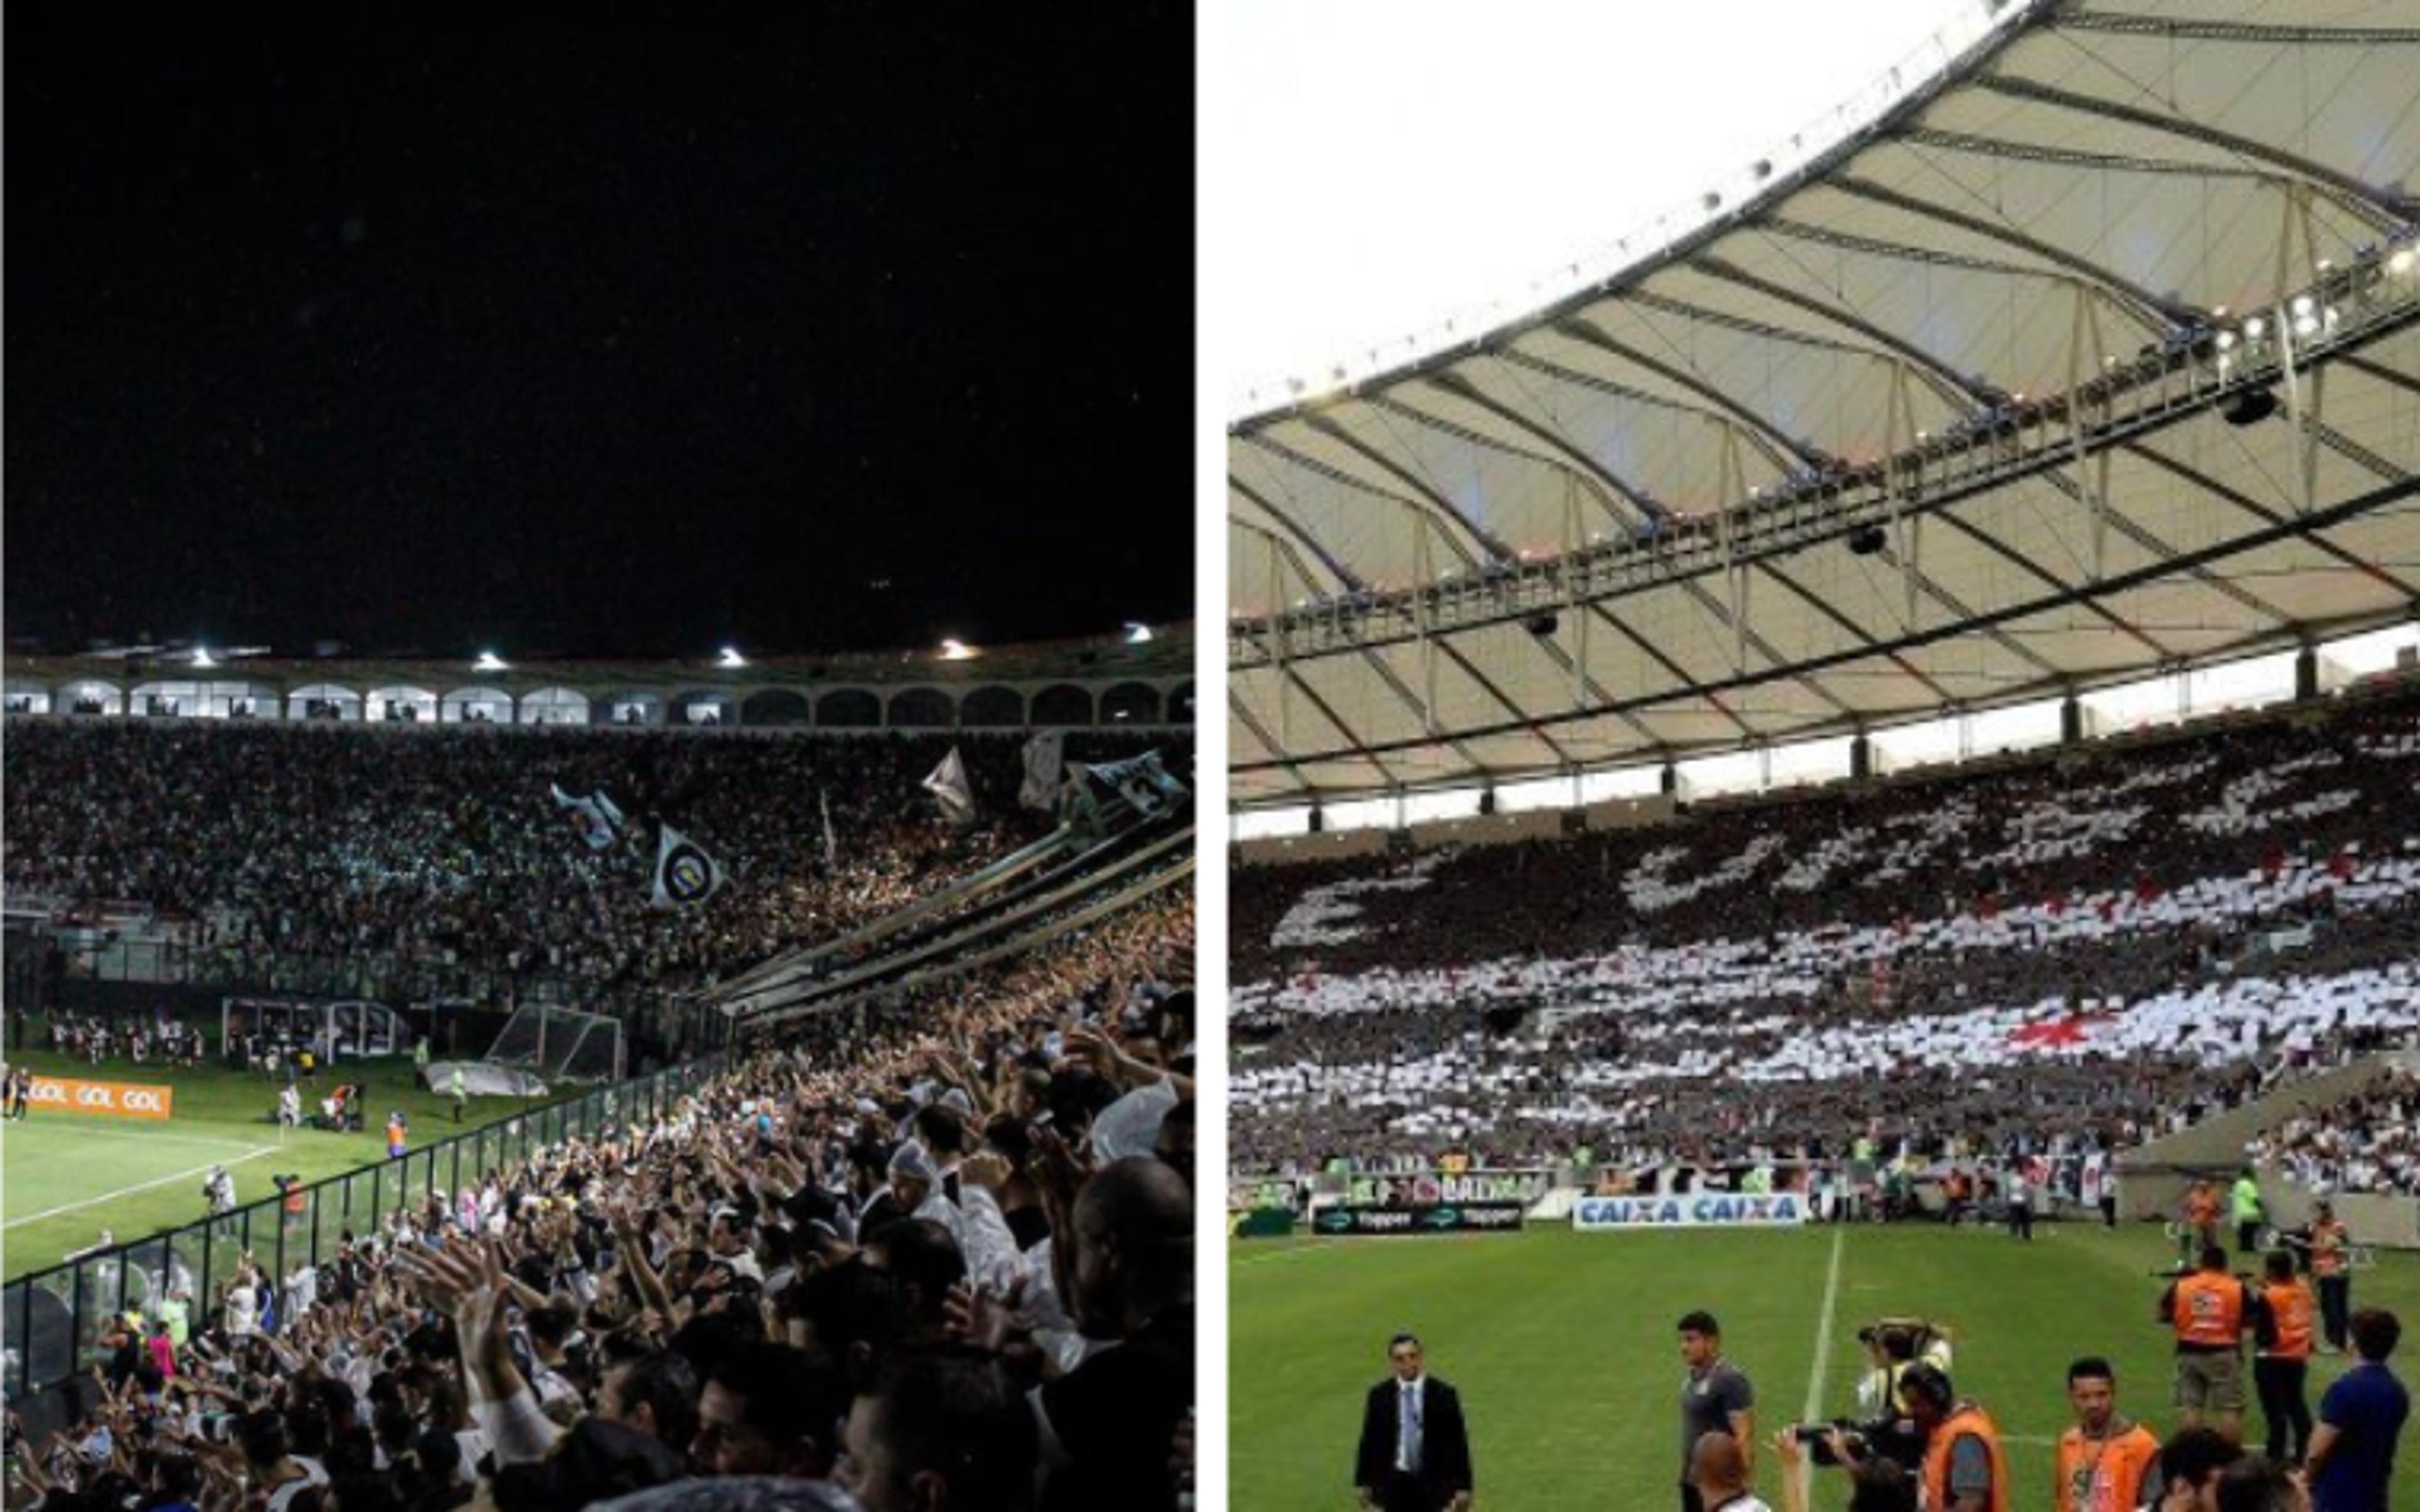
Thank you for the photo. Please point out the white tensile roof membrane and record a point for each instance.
(2098, 355)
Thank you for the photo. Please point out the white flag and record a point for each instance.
(594, 816)
(1142, 781)
(685, 874)
(831, 842)
(1046, 759)
(948, 784)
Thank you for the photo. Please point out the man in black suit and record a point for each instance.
(1414, 1457)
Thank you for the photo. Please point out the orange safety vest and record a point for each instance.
(2209, 1311)
(1965, 1420)
(2289, 1308)
(2327, 1248)
(2104, 1474)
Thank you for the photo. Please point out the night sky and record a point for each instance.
(809, 327)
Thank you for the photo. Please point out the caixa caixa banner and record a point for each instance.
(1699, 1209)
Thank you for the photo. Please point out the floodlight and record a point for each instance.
(732, 658)
(1138, 633)
(202, 656)
(489, 662)
(957, 651)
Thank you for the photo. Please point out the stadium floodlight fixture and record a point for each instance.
(2255, 326)
(2304, 305)
(2306, 325)
(2402, 262)
(489, 662)
(1138, 633)
(731, 658)
(957, 651)
(2225, 341)
(202, 656)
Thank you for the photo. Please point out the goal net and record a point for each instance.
(559, 1044)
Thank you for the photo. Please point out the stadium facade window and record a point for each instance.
(166, 701)
(95, 698)
(848, 708)
(776, 708)
(29, 700)
(1925, 742)
(2252, 682)
(703, 708)
(922, 708)
(2016, 726)
(1537, 793)
(992, 709)
(1130, 704)
(1429, 808)
(1271, 824)
(2350, 659)
(331, 701)
(1621, 782)
(403, 706)
(554, 705)
(1714, 777)
(476, 705)
(1364, 813)
(1804, 763)
(632, 709)
(1062, 703)
(2144, 704)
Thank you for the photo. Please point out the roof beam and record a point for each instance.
(2007, 615)
(1587, 332)
(1422, 509)
(2395, 208)
(1602, 487)
(2262, 512)
(1422, 489)
(1602, 482)
(1293, 531)
(2201, 29)
(1944, 378)
(2124, 163)
(2137, 300)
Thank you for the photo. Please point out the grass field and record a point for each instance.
(1562, 1345)
(65, 1176)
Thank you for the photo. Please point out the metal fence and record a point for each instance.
(49, 1320)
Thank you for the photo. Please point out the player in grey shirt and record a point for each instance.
(1714, 1398)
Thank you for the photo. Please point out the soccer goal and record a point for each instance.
(559, 1044)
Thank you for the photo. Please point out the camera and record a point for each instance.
(1817, 1437)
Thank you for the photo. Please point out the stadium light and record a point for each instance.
(2401, 262)
(489, 662)
(2254, 327)
(1138, 633)
(957, 651)
(202, 656)
(732, 658)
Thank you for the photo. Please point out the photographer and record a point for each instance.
(1876, 1486)
(1892, 1345)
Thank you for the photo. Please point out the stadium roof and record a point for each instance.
(2092, 354)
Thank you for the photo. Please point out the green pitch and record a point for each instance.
(65, 1176)
(1562, 1346)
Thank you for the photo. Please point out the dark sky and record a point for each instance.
(623, 337)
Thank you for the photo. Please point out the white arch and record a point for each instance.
(554, 705)
(476, 705)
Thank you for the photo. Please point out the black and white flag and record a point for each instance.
(685, 874)
(948, 785)
(1045, 761)
(595, 816)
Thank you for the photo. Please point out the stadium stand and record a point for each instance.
(2130, 936)
(455, 872)
(844, 1261)
(2367, 1141)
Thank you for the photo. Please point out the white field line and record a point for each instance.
(1282, 1254)
(1823, 1349)
(86, 1130)
(141, 1186)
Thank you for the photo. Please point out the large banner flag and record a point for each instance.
(595, 816)
(1141, 780)
(1045, 761)
(832, 841)
(948, 785)
(685, 874)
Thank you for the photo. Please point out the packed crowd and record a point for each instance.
(93, 1039)
(273, 844)
(2367, 1141)
(2132, 938)
(926, 1260)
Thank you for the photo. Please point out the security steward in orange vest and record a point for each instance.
(1963, 1468)
(2330, 1250)
(2104, 1462)
(2283, 1335)
(2209, 1310)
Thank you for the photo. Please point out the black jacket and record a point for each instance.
(1445, 1448)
